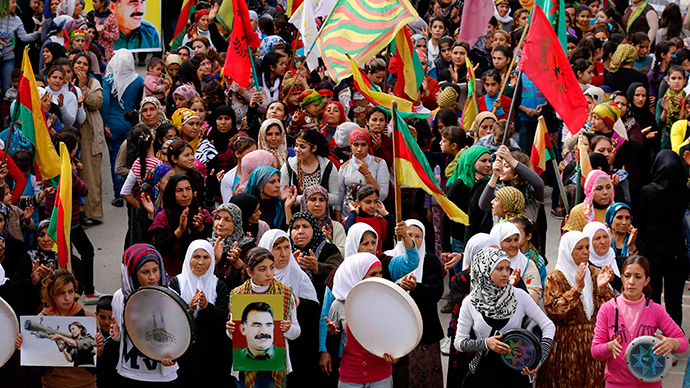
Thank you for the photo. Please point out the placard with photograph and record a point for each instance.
(58, 341)
(257, 343)
(139, 22)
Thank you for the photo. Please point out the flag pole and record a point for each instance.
(512, 64)
(396, 178)
(318, 34)
(512, 107)
(561, 187)
(251, 59)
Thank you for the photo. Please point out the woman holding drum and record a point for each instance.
(494, 307)
(633, 316)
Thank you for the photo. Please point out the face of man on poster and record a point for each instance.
(129, 14)
(257, 327)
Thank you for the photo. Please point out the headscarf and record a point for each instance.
(609, 113)
(269, 43)
(325, 219)
(474, 245)
(447, 98)
(596, 93)
(318, 240)
(610, 215)
(121, 72)
(487, 297)
(358, 134)
(352, 271)
(221, 140)
(625, 53)
(354, 237)
(237, 234)
(609, 258)
(257, 180)
(132, 260)
(631, 96)
(172, 207)
(162, 118)
(57, 51)
(343, 117)
(165, 146)
(309, 97)
(181, 117)
(667, 171)
(66, 7)
(567, 266)
(247, 204)
(465, 168)
(190, 283)
(480, 119)
(501, 232)
(173, 59)
(291, 275)
(75, 34)
(399, 249)
(592, 178)
(342, 134)
(151, 179)
(289, 86)
(282, 151)
(249, 163)
(513, 202)
(200, 13)
(186, 91)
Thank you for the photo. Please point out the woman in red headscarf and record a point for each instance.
(200, 27)
(333, 115)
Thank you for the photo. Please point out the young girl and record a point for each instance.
(272, 138)
(445, 58)
(582, 17)
(500, 58)
(663, 54)
(489, 101)
(260, 274)
(500, 38)
(493, 306)
(65, 100)
(598, 197)
(381, 144)
(437, 28)
(529, 245)
(669, 108)
(584, 70)
(199, 105)
(369, 209)
(146, 158)
(631, 315)
(643, 62)
(141, 266)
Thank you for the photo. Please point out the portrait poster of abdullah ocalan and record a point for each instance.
(258, 343)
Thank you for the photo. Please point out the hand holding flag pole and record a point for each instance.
(512, 64)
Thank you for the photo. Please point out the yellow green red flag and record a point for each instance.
(61, 220)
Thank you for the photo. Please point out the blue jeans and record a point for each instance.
(527, 130)
(385, 383)
(7, 67)
(118, 181)
(264, 379)
(458, 247)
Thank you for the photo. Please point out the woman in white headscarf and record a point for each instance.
(573, 294)
(425, 285)
(288, 272)
(208, 298)
(602, 254)
(525, 273)
(493, 307)
(123, 89)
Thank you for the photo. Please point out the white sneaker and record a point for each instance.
(92, 298)
(445, 346)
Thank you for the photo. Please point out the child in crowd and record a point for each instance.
(444, 59)
(490, 100)
(310, 102)
(494, 140)
(644, 61)
(156, 85)
(106, 368)
(670, 106)
(369, 209)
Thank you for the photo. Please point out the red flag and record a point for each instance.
(547, 66)
(238, 60)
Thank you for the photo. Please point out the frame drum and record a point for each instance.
(383, 317)
(10, 326)
(525, 349)
(159, 323)
(643, 364)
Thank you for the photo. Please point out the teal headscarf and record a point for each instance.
(260, 176)
(610, 214)
(465, 169)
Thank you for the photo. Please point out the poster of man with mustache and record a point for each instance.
(259, 344)
(139, 22)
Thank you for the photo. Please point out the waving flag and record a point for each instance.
(293, 5)
(185, 13)
(237, 60)
(412, 169)
(555, 13)
(546, 65)
(410, 71)
(475, 19)
(471, 110)
(61, 219)
(305, 22)
(360, 28)
(34, 128)
(542, 149)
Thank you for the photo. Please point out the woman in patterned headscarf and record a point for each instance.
(227, 230)
(313, 253)
(598, 197)
(187, 122)
(509, 203)
(314, 200)
(152, 113)
(272, 138)
(622, 74)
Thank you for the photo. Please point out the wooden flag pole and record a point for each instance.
(318, 34)
(512, 108)
(510, 68)
(396, 178)
(561, 187)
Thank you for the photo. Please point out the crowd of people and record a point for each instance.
(286, 187)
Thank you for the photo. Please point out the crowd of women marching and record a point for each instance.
(288, 189)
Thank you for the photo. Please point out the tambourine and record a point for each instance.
(159, 323)
(10, 329)
(643, 364)
(383, 317)
(525, 349)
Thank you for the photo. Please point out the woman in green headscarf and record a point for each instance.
(473, 165)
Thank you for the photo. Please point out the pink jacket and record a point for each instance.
(153, 86)
(653, 317)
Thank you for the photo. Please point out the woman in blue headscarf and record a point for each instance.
(275, 205)
(619, 221)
